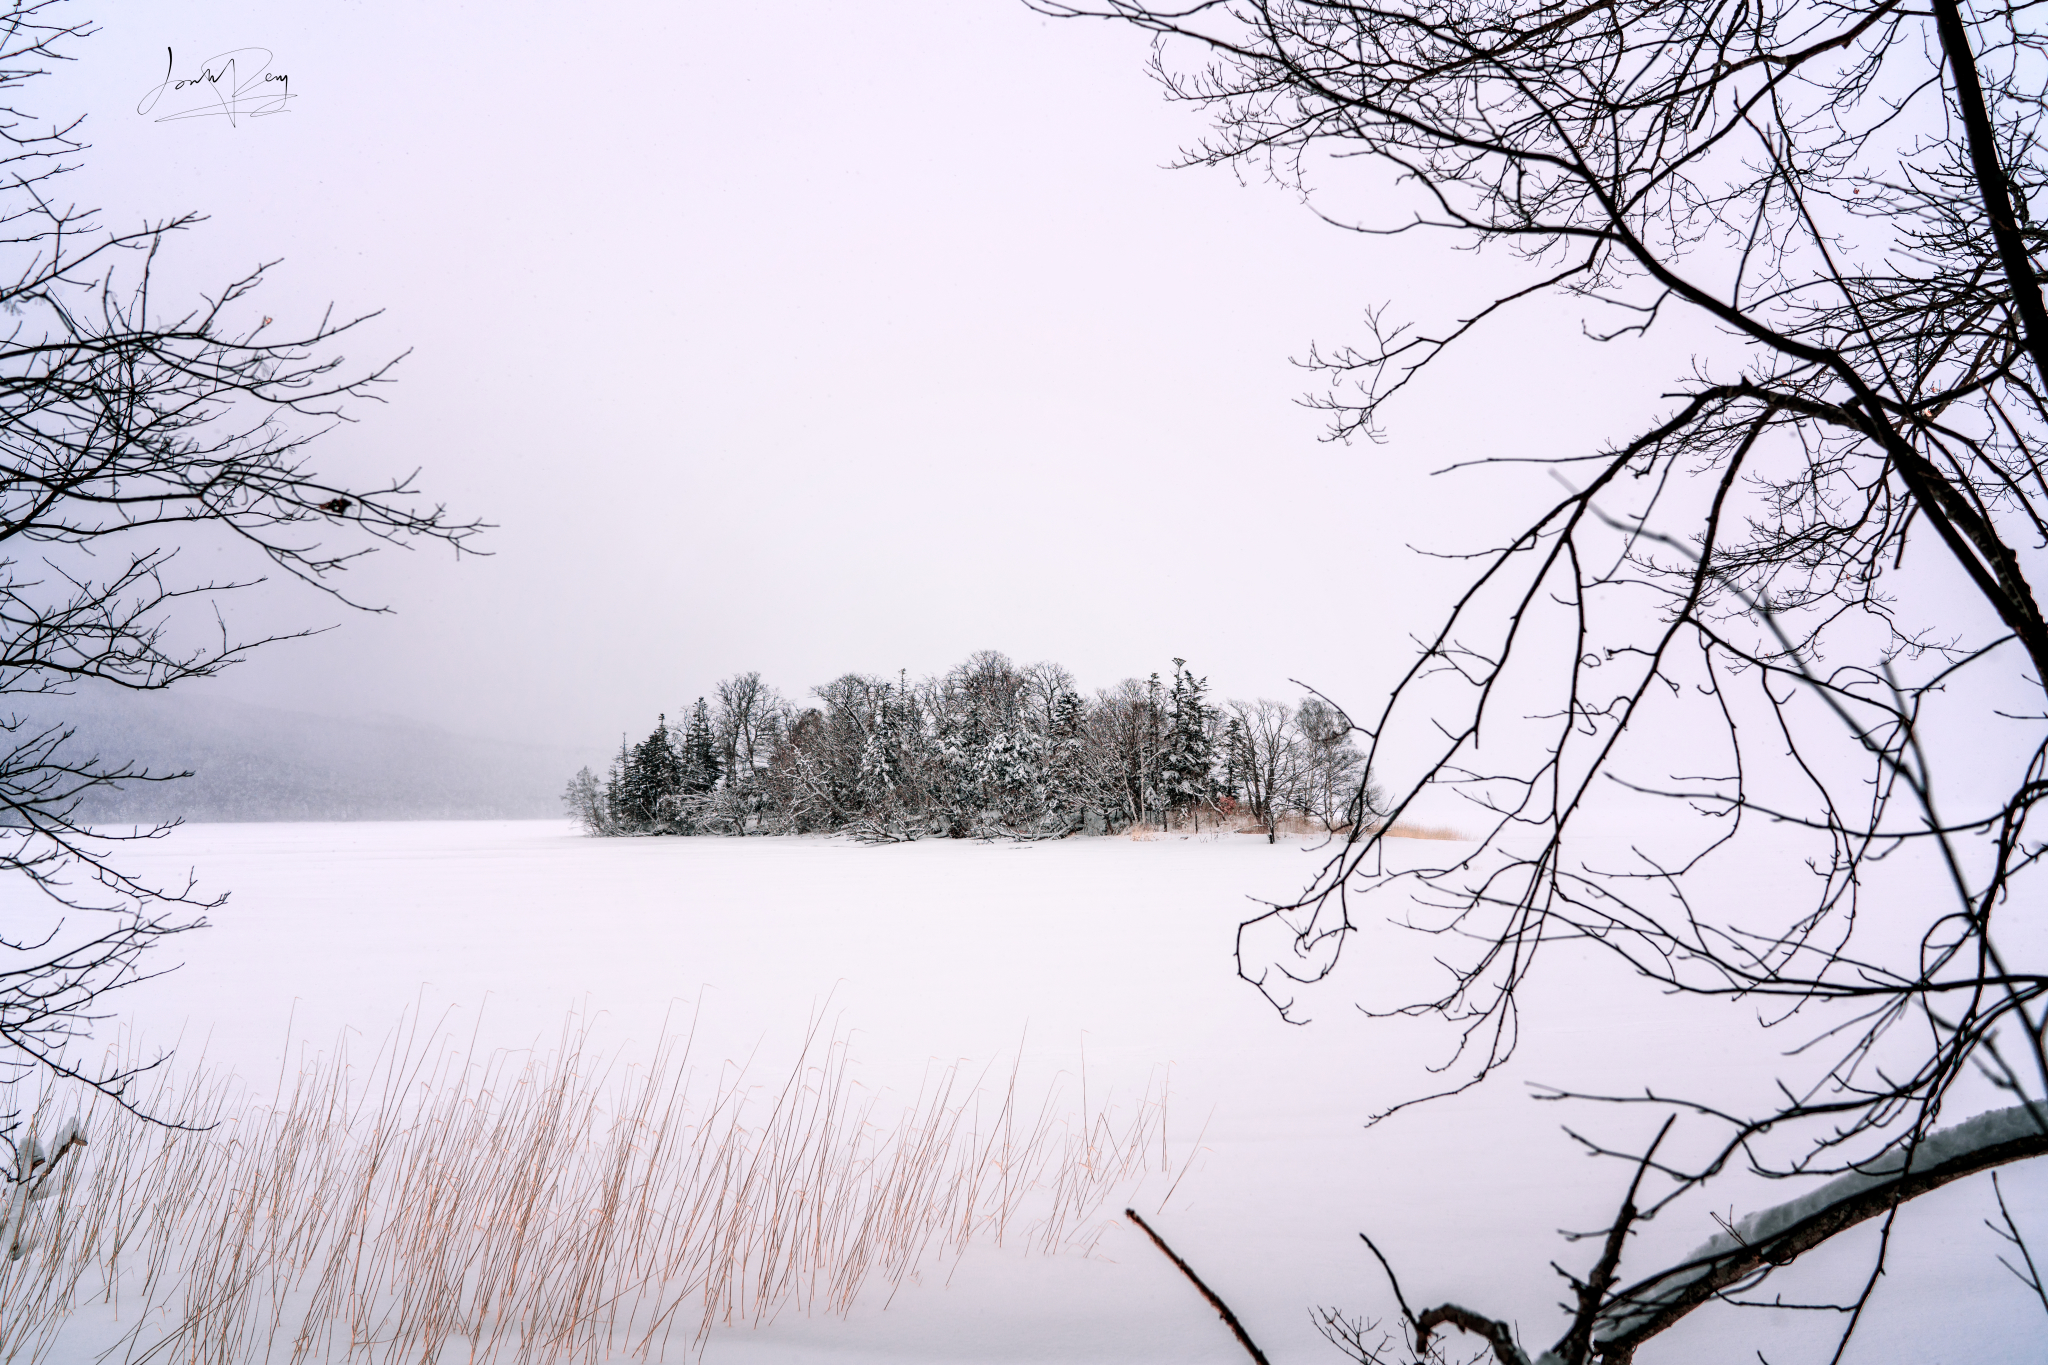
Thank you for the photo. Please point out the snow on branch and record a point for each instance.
(1776, 1235)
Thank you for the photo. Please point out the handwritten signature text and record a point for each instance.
(233, 85)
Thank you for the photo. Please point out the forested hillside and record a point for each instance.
(988, 749)
(259, 763)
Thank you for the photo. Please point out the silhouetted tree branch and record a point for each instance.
(1720, 610)
(132, 429)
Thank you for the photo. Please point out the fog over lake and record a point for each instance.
(892, 341)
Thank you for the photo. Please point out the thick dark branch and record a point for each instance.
(1496, 1334)
(1651, 1306)
(1592, 1291)
(1992, 183)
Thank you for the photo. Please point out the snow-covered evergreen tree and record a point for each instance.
(1151, 796)
(1067, 789)
(1237, 759)
(617, 818)
(1187, 755)
(649, 772)
(699, 752)
(886, 757)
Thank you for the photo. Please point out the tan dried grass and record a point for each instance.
(1426, 832)
(1301, 826)
(540, 1208)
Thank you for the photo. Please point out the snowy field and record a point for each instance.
(1099, 972)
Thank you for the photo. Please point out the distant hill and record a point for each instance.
(259, 763)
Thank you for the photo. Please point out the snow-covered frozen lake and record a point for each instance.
(1108, 963)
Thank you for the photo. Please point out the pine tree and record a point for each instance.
(615, 790)
(1065, 759)
(1188, 749)
(651, 770)
(884, 751)
(1237, 758)
(699, 753)
(1152, 787)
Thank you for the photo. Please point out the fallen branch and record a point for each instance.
(1222, 1308)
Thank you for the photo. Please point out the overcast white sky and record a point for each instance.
(814, 338)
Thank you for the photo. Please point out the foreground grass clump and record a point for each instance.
(525, 1207)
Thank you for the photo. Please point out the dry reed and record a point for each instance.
(442, 1205)
(1426, 832)
(1296, 825)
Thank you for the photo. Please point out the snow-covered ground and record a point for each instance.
(1108, 963)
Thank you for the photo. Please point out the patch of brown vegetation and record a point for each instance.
(538, 1208)
(1301, 826)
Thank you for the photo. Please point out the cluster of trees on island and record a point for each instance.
(989, 749)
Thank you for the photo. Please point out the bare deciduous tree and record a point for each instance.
(130, 430)
(1797, 606)
(748, 717)
(1273, 763)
